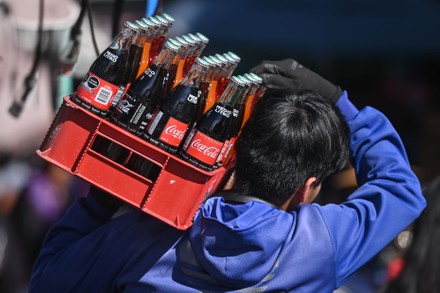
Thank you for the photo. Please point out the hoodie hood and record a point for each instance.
(239, 244)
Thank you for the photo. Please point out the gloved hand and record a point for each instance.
(289, 74)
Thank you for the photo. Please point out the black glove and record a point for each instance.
(289, 74)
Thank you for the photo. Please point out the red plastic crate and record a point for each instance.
(173, 197)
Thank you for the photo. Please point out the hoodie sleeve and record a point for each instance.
(388, 199)
(82, 217)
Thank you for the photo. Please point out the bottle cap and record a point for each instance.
(182, 41)
(209, 60)
(142, 25)
(247, 81)
(221, 58)
(238, 80)
(163, 20)
(189, 40)
(233, 56)
(255, 77)
(175, 42)
(171, 46)
(229, 58)
(195, 38)
(150, 23)
(203, 38)
(202, 62)
(155, 21)
(169, 18)
(131, 25)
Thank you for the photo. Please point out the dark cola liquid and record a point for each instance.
(111, 69)
(156, 47)
(171, 80)
(170, 123)
(205, 141)
(188, 65)
(139, 98)
(134, 59)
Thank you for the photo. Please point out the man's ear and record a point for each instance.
(305, 194)
(310, 190)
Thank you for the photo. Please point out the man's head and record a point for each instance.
(291, 142)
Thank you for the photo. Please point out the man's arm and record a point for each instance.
(389, 196)
(82, 217)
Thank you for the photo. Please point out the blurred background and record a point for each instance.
(384, 53)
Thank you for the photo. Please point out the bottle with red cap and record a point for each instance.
(179, 111)
(206, 140)
(134, 110)
(107, 74)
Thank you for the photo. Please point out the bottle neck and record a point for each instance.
(140, 38)
(123, 40)
(195, 76)
(232, 92)
(165, 58)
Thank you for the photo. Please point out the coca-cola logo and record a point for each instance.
(175, 132)
(209, 151)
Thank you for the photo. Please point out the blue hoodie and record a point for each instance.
(250, 247)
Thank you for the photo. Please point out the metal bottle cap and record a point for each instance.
(255, 77)
(149, 22)
(210, 61)
(155, 21)
(247, 81)
(189, 39)
(182, 41)
(233, 56)
(163, 20)
(131, 25)
(169, 18)
(171, 46)
(195, 38)
(203, 38)
(238, 80)
(144, 26)
(222, 59)
(202, 62)
(174, 42)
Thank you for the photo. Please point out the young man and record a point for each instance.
(266, 235)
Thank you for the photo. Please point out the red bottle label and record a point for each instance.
(222, 152)
(204, 148)
(97, 92)
(173, 132)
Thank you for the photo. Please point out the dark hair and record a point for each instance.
(421, 262)
(289, 138)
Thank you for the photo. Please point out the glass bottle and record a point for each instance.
(179, 111)
(106, 75)
(134, 110)
(206, 139)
